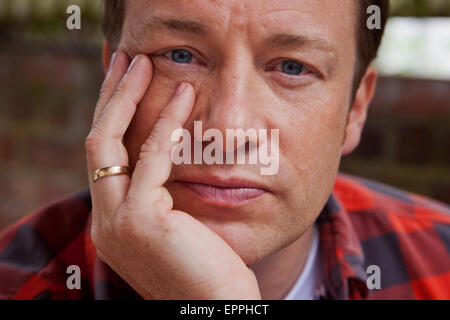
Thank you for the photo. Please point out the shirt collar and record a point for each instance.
(343, 258)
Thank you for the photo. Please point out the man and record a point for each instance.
(149, 228)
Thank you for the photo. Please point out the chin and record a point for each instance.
(252, 243)
(251, 230)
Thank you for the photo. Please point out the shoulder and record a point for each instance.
(33, 250)
(374, 201)
(405, 234)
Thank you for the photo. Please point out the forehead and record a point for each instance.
(336, 19)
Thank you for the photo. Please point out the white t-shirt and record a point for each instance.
(306, 284)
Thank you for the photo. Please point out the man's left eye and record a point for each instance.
(180, 56)
(292, 68)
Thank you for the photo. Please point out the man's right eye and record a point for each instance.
(179, 56)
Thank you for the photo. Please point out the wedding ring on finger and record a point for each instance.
(110, 171)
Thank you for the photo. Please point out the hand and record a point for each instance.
(162, 253)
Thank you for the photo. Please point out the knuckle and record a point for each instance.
(150, 146)
(104, 90)
(101, 255)
(159, 201)
(98, 239)
(100, 252)
(162, 208)
(122, 95)
(165, 198)
(159, 140)
(159, 214)
(155, 207)
(165, 116)
(120, 90)
(92, 141)
(95, 238)
(167, 120)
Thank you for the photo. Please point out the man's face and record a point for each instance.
(284, 65)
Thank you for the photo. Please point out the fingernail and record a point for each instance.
(133, 63)
(180, 89)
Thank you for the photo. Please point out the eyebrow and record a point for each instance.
(290, 40)
(175, 24)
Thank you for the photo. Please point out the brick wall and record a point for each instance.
(406, 141)
(48, 95)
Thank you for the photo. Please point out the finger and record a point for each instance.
(154, 165)
(117, 68)
(125, 98)
(104, 144)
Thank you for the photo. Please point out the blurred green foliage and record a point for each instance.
(46, 19)
(420, 8)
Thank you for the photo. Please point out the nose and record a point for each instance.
(231, 102)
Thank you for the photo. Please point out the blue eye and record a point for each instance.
(181, 56)
(292, 68)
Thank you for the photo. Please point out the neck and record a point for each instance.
(278, 273)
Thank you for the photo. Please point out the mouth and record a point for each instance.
(224, 192)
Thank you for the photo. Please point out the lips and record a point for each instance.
(230, 192)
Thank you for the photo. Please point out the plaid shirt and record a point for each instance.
(363, 223)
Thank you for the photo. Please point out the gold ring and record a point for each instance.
(110, 171)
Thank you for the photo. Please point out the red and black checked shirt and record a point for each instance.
(363, 223)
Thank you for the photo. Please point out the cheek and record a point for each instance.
(159, 93)
(311, 151)
(317, 138)
(157, 96)
(315, 127)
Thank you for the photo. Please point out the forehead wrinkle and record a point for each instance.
(266, 12)
(133, 41)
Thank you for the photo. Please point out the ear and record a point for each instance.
(358, 112)
(106, 55)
